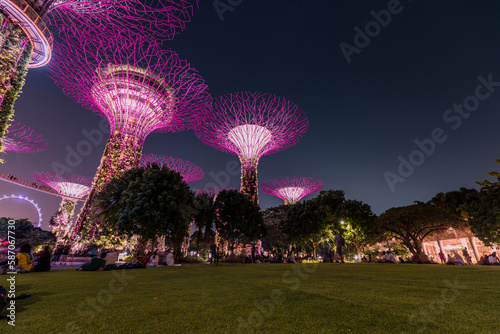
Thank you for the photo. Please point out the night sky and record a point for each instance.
(363, 115)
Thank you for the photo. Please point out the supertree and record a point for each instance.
(251, 125)
(21, 138)
(137, 86)
(291, 189)
(188, 170)
(72, 188)
(26, 41)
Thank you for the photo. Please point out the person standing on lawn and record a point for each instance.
(339, 244)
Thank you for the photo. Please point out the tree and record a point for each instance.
(205, 218)
(308, 224)
(483, 210)
(359, 226)
(411, 224)
(25, 232)
(150, 202)
(239, 218)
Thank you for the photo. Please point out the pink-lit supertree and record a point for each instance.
(291, 189)
(188, 170)
(137, 86)
(251, 125)
(21, 138)
(72, 188)
(26, 40)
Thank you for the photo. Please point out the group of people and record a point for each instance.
(108, 261)
(61, 254)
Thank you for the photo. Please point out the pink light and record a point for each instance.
(291, 189)
(188, 170)
(67, 185)
(250, 140)
(21, 138)
(251, 124)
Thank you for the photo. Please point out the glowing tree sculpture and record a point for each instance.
(72, 188)
(26, 41)
(291, 189)
(188, 170)
(251, 125)
(21, 138)
(137, 86)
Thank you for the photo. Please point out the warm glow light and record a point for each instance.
(67, 185)
(291, 189)
(34, 27)
(250, 140)
(73, 189)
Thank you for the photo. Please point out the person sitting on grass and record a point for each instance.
(43, 262)
(97, 263)
(390, 258)
(458, 259)
(170, 258)
(451, 260)
(25, 259)
(425, 259)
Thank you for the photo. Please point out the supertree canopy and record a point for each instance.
(137, 86)
(188, 170)
(251, 125)
(21, 138)
(291, 189)
(72, 188)
(26, 41)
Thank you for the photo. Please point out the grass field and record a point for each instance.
(264, 298)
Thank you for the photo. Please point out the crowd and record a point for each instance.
(32, 184)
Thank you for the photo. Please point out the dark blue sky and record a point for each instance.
(363, 115)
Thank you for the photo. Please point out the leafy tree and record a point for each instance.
(484, 216)
(488, 184)
(411, 224)
(25, 232)
(150, 202)
(273, 220)
(239, 218)
(359, 226)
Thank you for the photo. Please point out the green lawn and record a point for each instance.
(264, 298)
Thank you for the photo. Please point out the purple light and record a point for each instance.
(24, 198)
(291, 189)
(137, 86)
(251, 125)
(21, 138)
(188, 170)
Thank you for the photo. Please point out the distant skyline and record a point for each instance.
(399, 109)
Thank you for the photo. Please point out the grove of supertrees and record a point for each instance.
(189, 171)
(72, 188)
(136, 85)
(26, 40)
(291, 189)
(251, 125)
(21, 138)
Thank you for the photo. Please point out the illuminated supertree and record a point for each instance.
(137, 86)
(188, 170)
(251, 125)
(26, 41)
(291, 189)
(72, 188)
(21, 138)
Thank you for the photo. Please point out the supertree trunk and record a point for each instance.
(121, 154)
(15, 54)
(249, 178)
